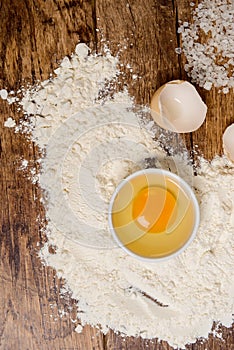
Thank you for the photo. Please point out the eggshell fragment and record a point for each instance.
(177, 106)
(228, 142)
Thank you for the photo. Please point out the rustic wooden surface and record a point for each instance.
(34, 36)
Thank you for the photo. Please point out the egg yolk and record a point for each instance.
(152, 209)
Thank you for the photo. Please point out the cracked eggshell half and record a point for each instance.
(177, 106)
(228, 142)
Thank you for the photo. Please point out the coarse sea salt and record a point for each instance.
(208, 44)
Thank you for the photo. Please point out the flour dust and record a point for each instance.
(90, 145)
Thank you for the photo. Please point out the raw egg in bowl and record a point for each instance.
(153, 214)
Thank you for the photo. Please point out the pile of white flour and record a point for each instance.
(91, 144)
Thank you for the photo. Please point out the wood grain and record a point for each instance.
(34, 36)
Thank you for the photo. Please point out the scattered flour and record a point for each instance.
(8, 96)
(24, 164)
(91, 143)
(10, 123)
(79, 328)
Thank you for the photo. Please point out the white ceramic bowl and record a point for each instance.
(181, 184)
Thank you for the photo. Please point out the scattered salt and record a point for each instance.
(208, 44)
(207, 85)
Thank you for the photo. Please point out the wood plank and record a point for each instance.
(34, 36)
(143, 33)
(148, 29)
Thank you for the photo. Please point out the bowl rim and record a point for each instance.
(183, 184)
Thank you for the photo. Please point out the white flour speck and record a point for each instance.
(79, 328)
(10, 123)
(3, 94)
(24, 164)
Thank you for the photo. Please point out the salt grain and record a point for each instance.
(208, 85)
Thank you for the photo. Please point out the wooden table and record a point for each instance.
(34, 36)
